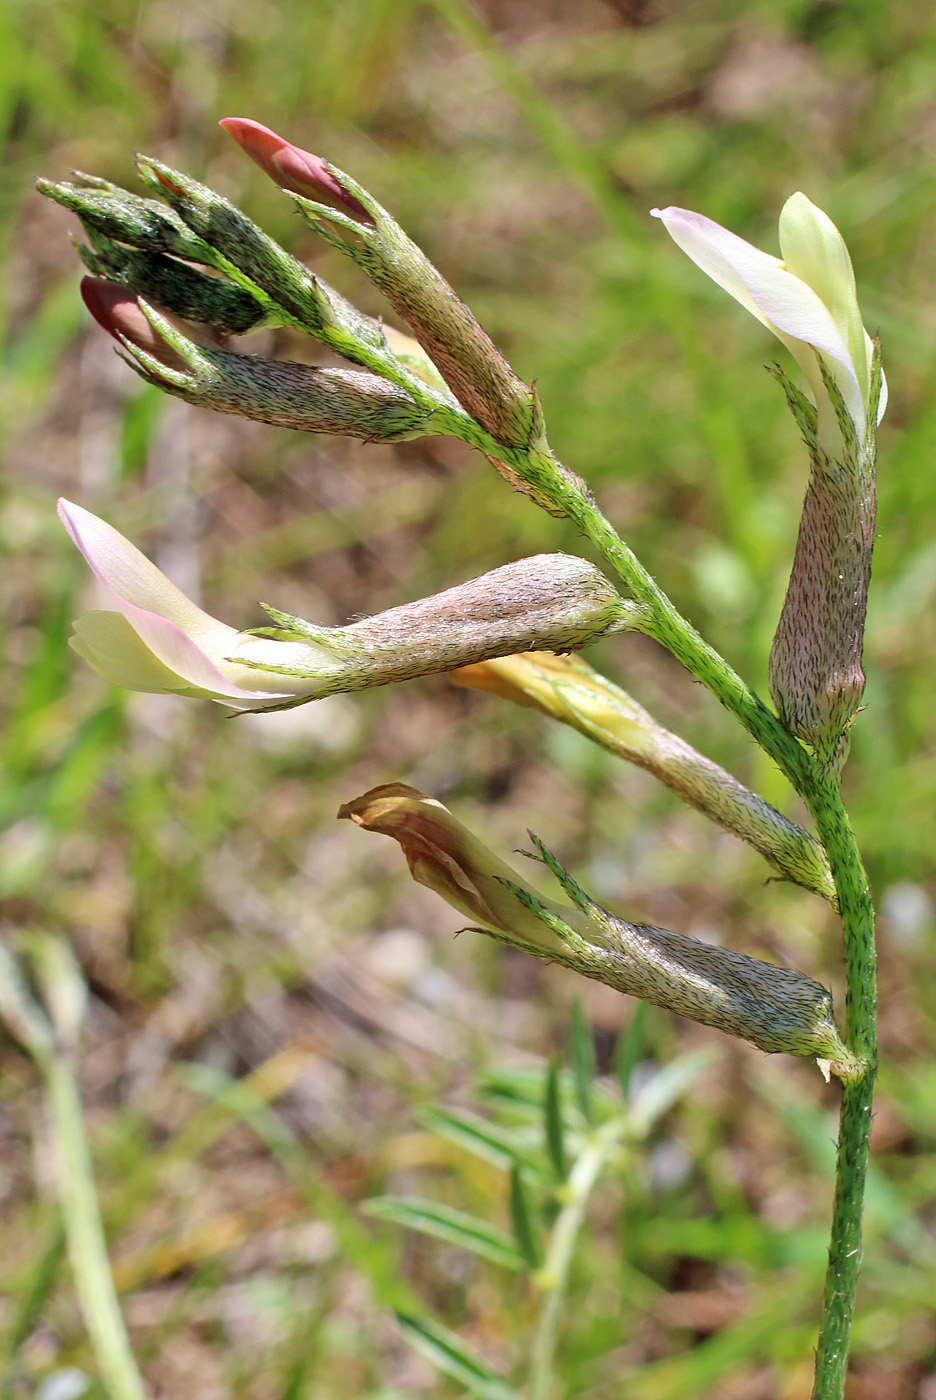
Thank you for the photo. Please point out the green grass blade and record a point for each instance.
(582, 1057)
(36, 1289)
(450, 1355)
(492, 1143)
(524, 1220)
(630, 1047)
(468, 1232)
(552, 1116)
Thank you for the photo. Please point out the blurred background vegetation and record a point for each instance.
(226, 924)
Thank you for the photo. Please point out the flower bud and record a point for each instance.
(200, 226)
(777, 1009)
(257, 263)
(175, 286)
(469, 362)
(568, 689)
(351, 403)
(291, 168)
(160, 641)
(119, 313)
(126, 218)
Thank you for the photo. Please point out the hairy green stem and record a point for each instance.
(857, 912)
(816, 782)
(87, 1247)
(554, 1275)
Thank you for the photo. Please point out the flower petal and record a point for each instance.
(765, 287)
(183, 638)
(291, 167)
(815, 252)
(446, 857)
(722, 255)
(133, 579)
(108, 643)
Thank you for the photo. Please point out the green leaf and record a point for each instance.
(515, 1086)
(524, 1223)
(447, 1352)
(469, 1232)
(33, 1294)
(582, 1056)
(552, 1115)
(630, 1047)
(491, 1143)
(658, 1095)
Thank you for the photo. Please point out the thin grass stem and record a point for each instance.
(87, 1246)
(554, 1275)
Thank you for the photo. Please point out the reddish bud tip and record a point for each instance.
(167, 183)
(118, 311)
(292, 168)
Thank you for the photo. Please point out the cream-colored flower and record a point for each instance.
(160, 641)
(806, 297)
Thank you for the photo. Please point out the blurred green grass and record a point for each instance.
(220, 915)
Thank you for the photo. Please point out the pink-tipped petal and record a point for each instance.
(118, 312)
(762, 284)
(131, 577)
(189, 642)
(291, 167)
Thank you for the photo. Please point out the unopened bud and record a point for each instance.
(257, 262)
(347, 402)
(291, 168)
(775, 1008)
(119, 313)
(469, 362)
(176, 286)
(126, 218)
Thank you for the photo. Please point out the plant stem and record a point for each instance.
(87, 1247)
(857, 911)
(817, 784)
(554, 1274)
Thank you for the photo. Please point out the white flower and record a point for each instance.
(807, 298)
(160, 641)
